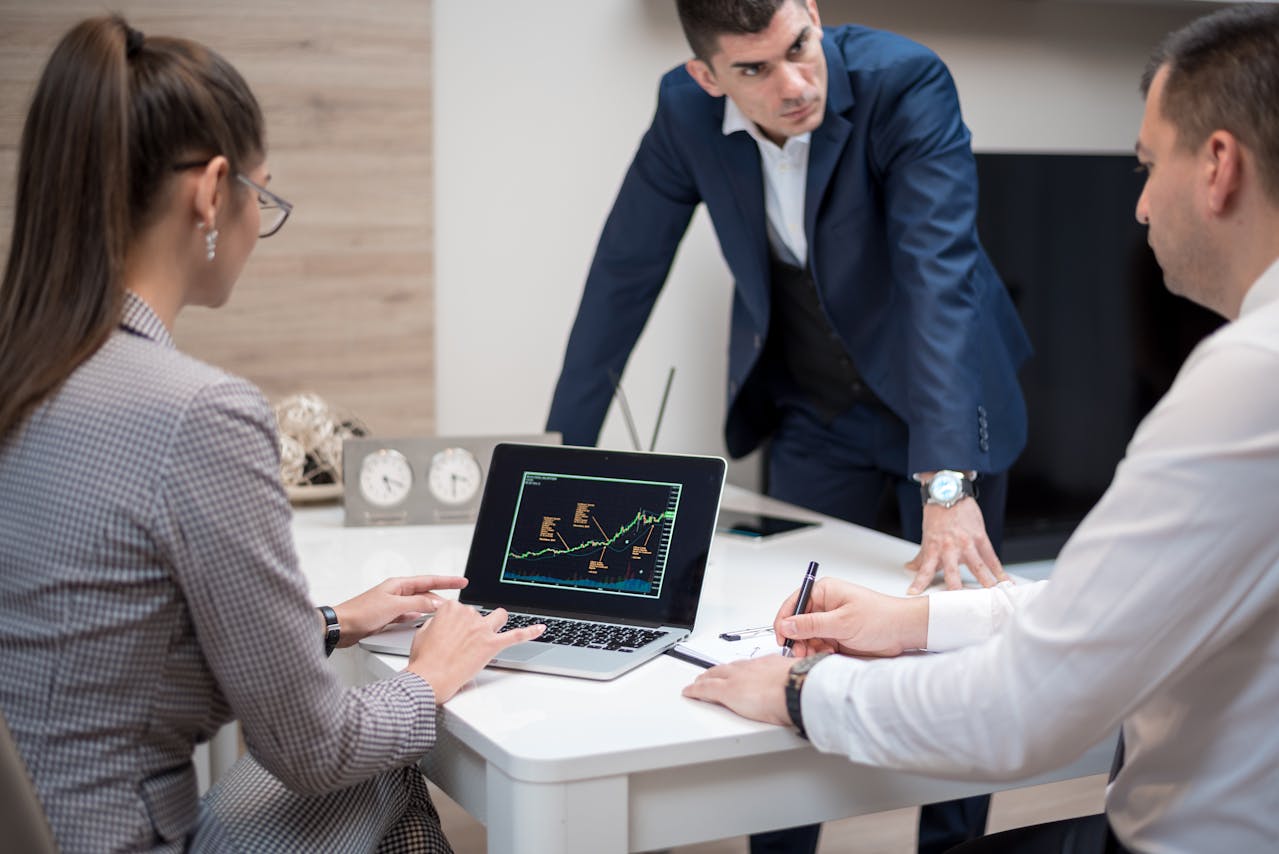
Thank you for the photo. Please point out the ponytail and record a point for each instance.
(112, 113)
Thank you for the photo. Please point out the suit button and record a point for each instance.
(758, 341)
(732, 387)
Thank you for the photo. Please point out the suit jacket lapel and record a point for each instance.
(746, 176)
(829, 139)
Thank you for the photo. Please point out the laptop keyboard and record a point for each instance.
(584, 634)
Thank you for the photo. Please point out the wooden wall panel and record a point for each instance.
(340, 301)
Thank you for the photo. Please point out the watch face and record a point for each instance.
(385, 478)
(454, 476)
(945, 488)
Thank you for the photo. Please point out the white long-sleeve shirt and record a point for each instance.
(1162, 614)
(785, 169)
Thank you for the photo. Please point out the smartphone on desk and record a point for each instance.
(758, 525)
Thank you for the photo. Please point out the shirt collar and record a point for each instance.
(139, 319)
(1263, 292)
(735, 120)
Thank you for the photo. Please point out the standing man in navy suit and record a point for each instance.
(872, 342)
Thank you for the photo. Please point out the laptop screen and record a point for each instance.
(592, 534)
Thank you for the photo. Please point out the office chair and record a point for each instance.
(21, 816)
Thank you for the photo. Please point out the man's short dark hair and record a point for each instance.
(1223, 74)
(704, 21)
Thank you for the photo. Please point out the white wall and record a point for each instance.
(539, 107)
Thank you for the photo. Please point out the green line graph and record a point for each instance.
(642, 519)
(597, 535)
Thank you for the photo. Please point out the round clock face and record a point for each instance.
(385, 478)
(454, 476)
(944, 488)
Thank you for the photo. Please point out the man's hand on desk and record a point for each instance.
(396, 600)
(851, 619)
(754, 689)
(457, 642)
(955, 535)
(844, 617)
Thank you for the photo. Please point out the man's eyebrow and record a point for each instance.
(803, 34)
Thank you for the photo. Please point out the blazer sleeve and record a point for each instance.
(224, 521)
(922, 152)
(634, 256)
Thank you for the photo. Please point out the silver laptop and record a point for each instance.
(608, 548)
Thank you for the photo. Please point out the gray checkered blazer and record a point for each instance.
(149, 593)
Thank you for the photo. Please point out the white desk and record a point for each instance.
(553, 764)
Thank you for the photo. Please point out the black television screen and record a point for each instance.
(1108, 336)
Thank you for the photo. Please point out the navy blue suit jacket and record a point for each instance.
(890, 216)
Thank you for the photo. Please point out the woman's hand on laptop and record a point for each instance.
(457, 642)
(396, 600)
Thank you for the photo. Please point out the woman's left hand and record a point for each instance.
(396, 600)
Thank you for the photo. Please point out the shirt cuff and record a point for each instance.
(959, 618)
(418, 689)
(421, 698)
(824, 703)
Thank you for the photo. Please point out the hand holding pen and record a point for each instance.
(840, 616)
(801, 603)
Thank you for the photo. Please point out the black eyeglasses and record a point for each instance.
(274, 210)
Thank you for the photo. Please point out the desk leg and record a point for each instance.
(585, 817)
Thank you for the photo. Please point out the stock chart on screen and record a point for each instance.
(601, 535)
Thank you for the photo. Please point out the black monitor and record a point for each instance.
(1108, 336)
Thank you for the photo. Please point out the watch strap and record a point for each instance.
(332, 629)
(795, 686)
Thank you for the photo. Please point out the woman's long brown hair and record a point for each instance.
(112, 114)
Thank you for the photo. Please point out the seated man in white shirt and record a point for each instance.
(1163, 611)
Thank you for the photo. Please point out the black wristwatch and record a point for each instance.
(332, 630)
(795, 684)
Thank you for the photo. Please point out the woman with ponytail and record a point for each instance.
(146, 558)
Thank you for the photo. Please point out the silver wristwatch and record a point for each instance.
(947, 488)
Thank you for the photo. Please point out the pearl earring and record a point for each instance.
(211, 244)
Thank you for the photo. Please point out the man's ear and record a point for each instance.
(1223, 169)
(705, 77)
(811, 5)
(209, 190)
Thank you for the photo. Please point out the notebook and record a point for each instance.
(615, 543)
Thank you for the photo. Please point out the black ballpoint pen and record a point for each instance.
(801, 604)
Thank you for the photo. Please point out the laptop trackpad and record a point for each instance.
(523, 652)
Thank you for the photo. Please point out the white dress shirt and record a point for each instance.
(785, 181)
(1162, 614)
